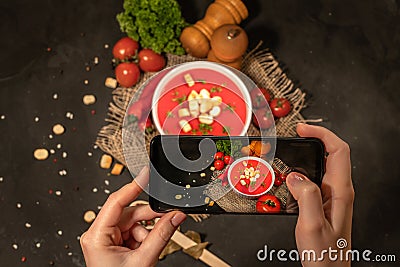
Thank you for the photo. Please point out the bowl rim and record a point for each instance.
(186, 66)
(260, 160)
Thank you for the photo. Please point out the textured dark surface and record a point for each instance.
(344, 54)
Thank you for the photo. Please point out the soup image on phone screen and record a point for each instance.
(241, 175)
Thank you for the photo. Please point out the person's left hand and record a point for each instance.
(117, 239)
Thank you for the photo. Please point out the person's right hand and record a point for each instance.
(325, 215)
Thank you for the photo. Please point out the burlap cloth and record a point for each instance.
(258, 65)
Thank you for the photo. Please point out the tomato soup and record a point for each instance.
(230, 121)
(251, 176)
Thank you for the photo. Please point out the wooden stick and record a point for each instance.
(207, 257)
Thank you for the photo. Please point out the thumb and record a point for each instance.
(159, 237)
(308, 196)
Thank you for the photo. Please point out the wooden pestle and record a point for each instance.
(196, 38)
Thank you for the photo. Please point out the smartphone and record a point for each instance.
(240, 174)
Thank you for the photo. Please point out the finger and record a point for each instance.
(162, 232)
(112, 210)
(131, 215)
(132, 244)
(308, 196)
(138, 232)
(338, 167)
(337, 187)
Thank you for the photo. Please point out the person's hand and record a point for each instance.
(117, 239)
(324, 218)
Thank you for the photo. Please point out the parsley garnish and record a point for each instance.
(205, 128)
(215, 89)
(180, 100)
(226, 130)
(230, 107)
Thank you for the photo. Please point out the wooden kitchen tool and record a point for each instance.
(196, 39)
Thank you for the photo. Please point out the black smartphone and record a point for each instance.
(240, 174)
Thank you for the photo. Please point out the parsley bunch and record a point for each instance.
(155, 24)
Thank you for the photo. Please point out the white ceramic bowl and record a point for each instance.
(204, 66)
(240, 161)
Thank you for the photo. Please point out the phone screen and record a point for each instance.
(243, 175)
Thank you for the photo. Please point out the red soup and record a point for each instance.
(250, 176)
(173, 107)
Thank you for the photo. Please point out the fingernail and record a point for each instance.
(295, 178)
(178, 219)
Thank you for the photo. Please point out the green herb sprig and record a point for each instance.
(155, 24)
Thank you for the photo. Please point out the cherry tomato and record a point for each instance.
(278, 181)
(228, 159)
(219, 164)
(260, 97)
(219, 156)
(268, 204)
(262, 118)
(280, 107)
(150, 60)
(146, 125)
(125, 48)
(127, 74)
(283, 177)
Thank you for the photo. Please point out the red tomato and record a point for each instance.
(219, 164)
(280, 107)
(125, 48)
(268, 204)
(228, 159)
(278, 181)
(260, 97)
(219, 156)
(283, 177)
(150, 60)
(262, 118)
(127, 74)
(146, 125)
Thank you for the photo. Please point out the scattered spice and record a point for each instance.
(58, 129)
(89, 216)
(105, 161)
(89, 99)
(41, 154)
(117, 169)
(111, 83)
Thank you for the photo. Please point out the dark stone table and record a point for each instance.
(344, 54)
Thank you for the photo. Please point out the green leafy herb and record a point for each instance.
(155, 24)
(180, 100)
(230, 107)
(226, 130)
(170, 114)
(202, 81)
(215, 89)
(229, 148)
(205, 128)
